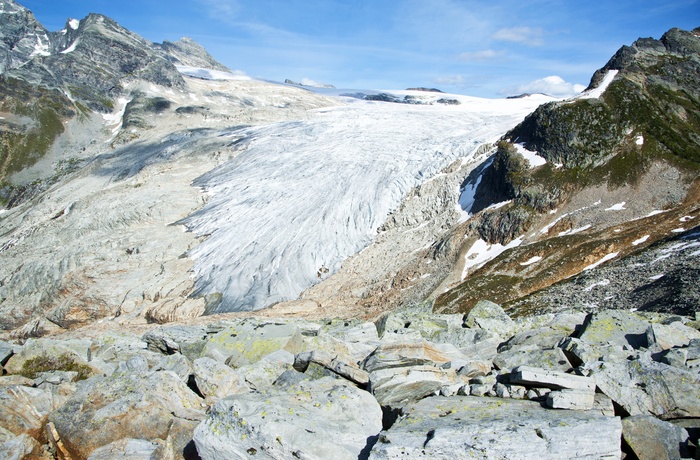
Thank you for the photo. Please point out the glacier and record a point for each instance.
(303, 196)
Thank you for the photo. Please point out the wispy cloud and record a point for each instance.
(483, 55)
(552, 85)
(223, 10)
(525, 35)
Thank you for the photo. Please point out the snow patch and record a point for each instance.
(639, 140)
(686, 218)
(598, 91)
(603, 282)
(41, 48)
(210, 74)
(678, 230)
(617, 207)
(640, 240)
(499, 205)
(533, 158)
(71, 48)
(573, 231)
(74, 24)
(655, 212)
(482, 252)
(656, 277)
(601, 261)
(531, 261)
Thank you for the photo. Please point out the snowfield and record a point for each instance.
(301, 197)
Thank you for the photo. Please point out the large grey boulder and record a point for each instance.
(246, 342)
(401, 385)
(133, 403)
(552, 359)
(466, 427)
(645, 387)
(537, 377)
(654, 439)
(19, 448)
(343, 369)
(314, 419)
(413, 353)
(25, 410)
(77, 351)
(615, 326)
(491, 317)
(667, 336)
(186, 340)
(217, 380)
(261, 375)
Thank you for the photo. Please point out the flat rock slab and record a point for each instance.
(469, 427)
(654, 439)
(552, 359)
(532, 376)
(314, 419)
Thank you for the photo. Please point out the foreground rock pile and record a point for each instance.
(411, 385)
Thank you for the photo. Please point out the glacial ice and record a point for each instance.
(304, 196)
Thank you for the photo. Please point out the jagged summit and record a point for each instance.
(21, 36)
(190, 53)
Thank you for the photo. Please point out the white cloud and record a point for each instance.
(483, 55)
(553, 85)
(525, 35)
(450, 80)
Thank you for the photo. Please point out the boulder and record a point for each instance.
(552, 359)
(217, 380)
(261, 375)
(531, 376)
(466, 427)
(491, 317)
(313, 419)
(186, 340)
(25, 410)
(666, 336)
(615, 326)
(535, 339)
(412, 353)
(131, 449)
(6, 350)
(645, 387)
(571, 399)
(48, 350)
(130, 403)
(345, 370)
(247, 341)
(399, 385)
(20, 448)
(653, 439)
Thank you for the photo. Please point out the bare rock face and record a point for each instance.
(325, 418)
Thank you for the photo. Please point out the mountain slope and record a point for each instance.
(626, 148)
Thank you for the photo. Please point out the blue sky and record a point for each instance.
(481, 48)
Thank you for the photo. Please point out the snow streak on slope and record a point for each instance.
(304, 196)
